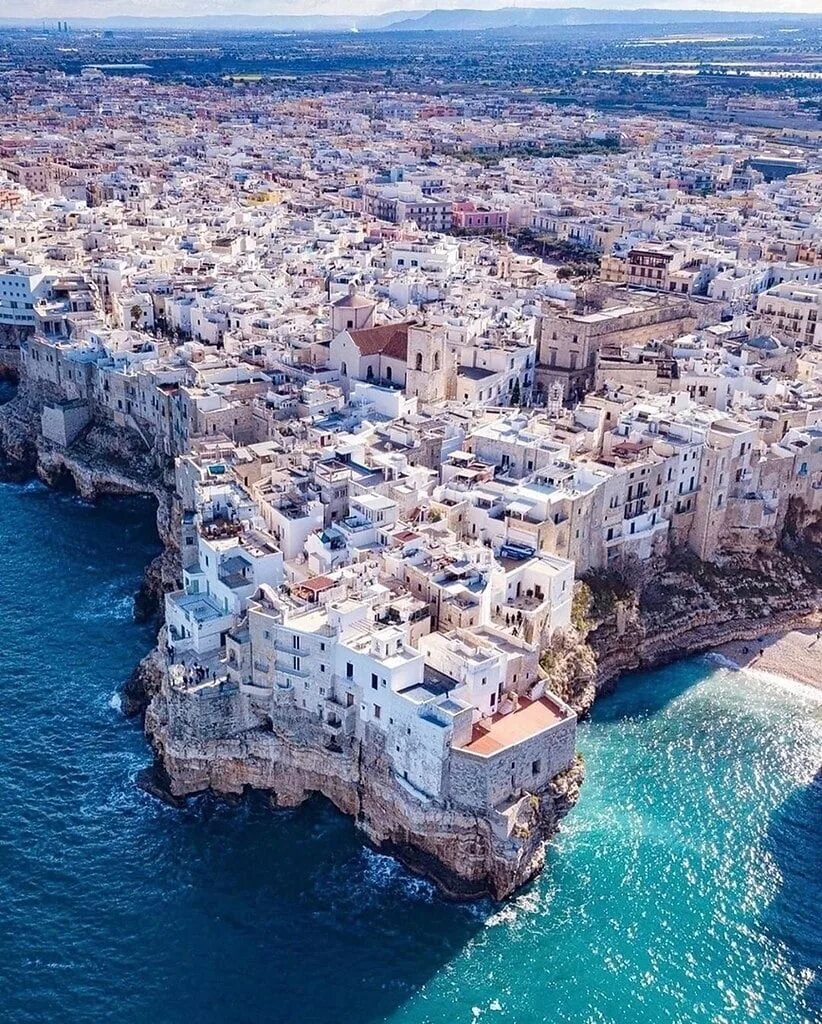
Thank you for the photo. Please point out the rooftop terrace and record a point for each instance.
(501, 731)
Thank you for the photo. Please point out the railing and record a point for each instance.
(286, 648)
(299, 673)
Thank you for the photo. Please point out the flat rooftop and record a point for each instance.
(530, 719)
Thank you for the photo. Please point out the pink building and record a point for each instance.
(470, 217)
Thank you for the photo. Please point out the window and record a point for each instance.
(536, 766)
(374, 683)
(377, 711)
(349, 670)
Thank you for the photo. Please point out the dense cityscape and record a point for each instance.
(466, 379)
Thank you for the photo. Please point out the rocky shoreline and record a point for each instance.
(678, 608)
(103, 462)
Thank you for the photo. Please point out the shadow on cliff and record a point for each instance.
(289, 916)
(8, 388)
(794, 840)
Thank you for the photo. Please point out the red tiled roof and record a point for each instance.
(405, 535)
(531, 718)
(387, 340)
(317, 583)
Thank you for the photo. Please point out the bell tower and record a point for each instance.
(427, 365)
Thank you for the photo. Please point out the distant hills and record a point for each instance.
(471, 19)
(440, 20)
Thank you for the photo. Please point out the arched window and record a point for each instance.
(369, 373)
(436, 360)
(418, 364)
(343, 369)
(388, 373)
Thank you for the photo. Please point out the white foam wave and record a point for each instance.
(383, 873)
(102, 609)
(724, 662)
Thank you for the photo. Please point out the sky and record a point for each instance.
(182, 8)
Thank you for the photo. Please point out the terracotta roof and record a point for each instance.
(405, 535)
(388, 340)
(530, 719)
(317, 583)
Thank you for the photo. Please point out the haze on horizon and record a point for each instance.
(260, 8)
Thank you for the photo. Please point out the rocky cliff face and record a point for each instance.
(104, 460)
(466, 854)
(18, 436)
(684, 606)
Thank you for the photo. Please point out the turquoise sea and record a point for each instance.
(685, 887)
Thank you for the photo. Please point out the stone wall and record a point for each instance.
(61, 423)
(481, 781)
(209, 713)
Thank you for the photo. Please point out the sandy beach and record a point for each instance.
(795, 655)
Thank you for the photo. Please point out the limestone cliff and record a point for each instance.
(684, 606)
(104, 460)
(467, 854)
(18, 436)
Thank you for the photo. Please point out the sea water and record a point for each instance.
(684, 887)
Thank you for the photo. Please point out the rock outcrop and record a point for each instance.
(675, 609)
(103, 461)
(18, 436)
(143, 684)
(468, 855)
(686, 606)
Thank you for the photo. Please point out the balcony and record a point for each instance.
(286, 647)
(288, 670)
(338, 720)
(634, 509)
